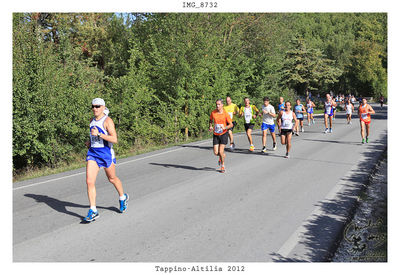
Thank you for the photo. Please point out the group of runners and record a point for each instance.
(222, 122)
(224, 118)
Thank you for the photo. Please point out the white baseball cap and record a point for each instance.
(98, 101)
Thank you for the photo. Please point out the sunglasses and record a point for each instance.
(96, 106)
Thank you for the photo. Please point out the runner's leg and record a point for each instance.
(112, 177)
(92, 169)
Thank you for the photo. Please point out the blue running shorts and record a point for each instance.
(265, 126)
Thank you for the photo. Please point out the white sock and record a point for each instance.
(122, 197)
(93, 208)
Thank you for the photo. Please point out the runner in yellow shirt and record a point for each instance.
(233, 110)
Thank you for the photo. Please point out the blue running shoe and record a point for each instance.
(123, 204)
(91, 216)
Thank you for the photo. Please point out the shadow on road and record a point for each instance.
(325, 231)
(61, 206)
(166, 165)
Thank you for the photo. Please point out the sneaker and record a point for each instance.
(264, 150)
(274, 147)
(363, 141)
(123, 204)
(252, 148)
(91, 216)
(222, 170)
(366, 140)
(313, 121)
(309, 124)
(330, 130)
(302, 129)
(297, 133)
(233, 146)
(326, 130)
(287, 155)
(350, 123)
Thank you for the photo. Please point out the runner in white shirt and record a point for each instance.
(285, 122)
(349, 108)
(268, 115)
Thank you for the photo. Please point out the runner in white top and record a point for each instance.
(268, 114)
(349, 108)
(310, 111)
(285, 122)
(329, 103)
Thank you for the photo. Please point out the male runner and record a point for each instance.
(233, 110)
(268, 114)
(310, 111)
(299, 111)
(101, 154)
(220, 123)
(285, 122)
(250, 113)
(329, 103)
(364, 112)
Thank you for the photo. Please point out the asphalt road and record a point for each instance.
(264, 208)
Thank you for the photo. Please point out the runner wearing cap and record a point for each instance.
(220, 123)
(101, 154)
(233, 110)
(364, 112)
(250, 113)
(268, 114)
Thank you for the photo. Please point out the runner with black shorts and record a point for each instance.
(220, 123)
(285, 122)
(250, 113)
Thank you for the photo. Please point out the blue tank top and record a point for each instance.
(297, 110)
(281, 107)
(99, 147)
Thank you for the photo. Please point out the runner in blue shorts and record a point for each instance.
(329, 104)
(268, 114)
(101, 154)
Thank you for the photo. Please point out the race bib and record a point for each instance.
(328, 109)
(247, 117)
(364, 116)
(286, 123)
(218, 128)
(96, 142)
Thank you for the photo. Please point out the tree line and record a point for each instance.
(160, 73)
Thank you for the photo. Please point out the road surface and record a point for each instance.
(264, 208)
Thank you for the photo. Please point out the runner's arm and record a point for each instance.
(112, 134)
(371, 111)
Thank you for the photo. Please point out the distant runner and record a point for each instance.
(250, 113)
(381, 100)
(364, 112)
(101, 154)
(220, 123)
(281, 107)
(310, 112)
(285, 121)
(233, 110)
(268, 114)
(329, 103)
(299, 111)
(349, 108)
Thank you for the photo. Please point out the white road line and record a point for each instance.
(129, 161)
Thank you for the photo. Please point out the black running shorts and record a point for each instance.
(286, 131)
(220, 139)
(248, 126)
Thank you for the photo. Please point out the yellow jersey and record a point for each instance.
(230, 109)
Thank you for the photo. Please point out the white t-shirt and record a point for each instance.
(267, 118)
